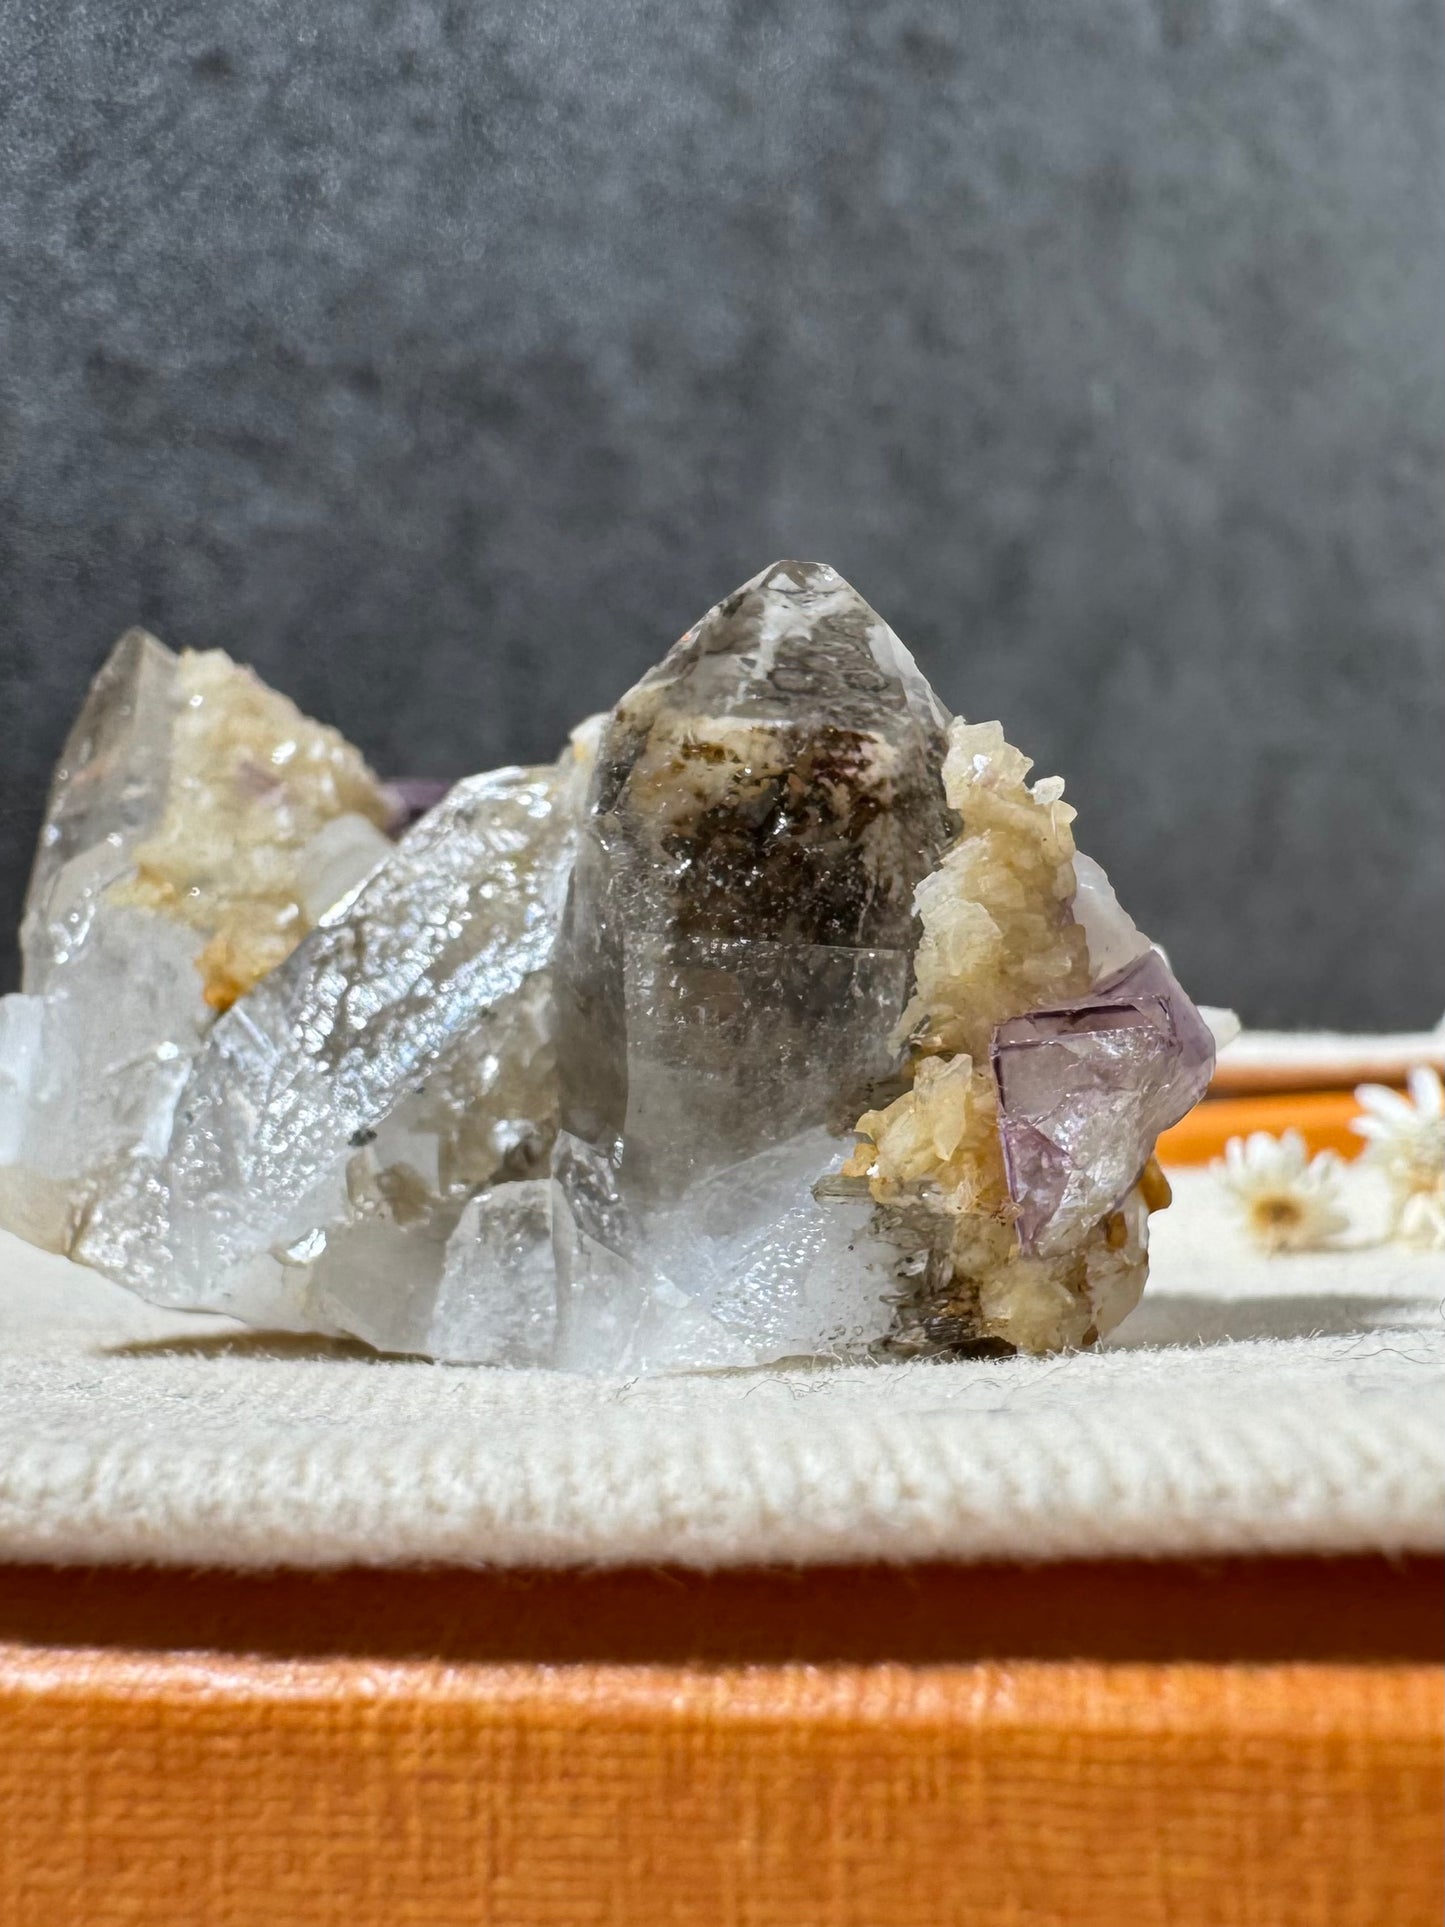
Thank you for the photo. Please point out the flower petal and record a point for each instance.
(1385, 1104)
(1293, 1153)
(1427, 1091)
(1234, 1158)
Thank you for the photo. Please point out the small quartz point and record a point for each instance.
(1050, 1045)
(197, 826)
(342, 1114)
(734, 959)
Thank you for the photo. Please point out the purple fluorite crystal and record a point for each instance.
(412, 797)
(1085, 1088)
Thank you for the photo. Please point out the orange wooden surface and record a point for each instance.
(856, 1748)
(1321, 1117)
(1366, 1063)
(370, 1794)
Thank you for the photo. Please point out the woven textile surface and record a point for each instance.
(1250, 1405)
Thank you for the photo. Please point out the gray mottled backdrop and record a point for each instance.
(445, 360)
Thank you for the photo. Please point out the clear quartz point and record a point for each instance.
(340, 1116)
(734, 959)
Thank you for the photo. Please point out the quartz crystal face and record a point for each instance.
(197, 825)
(341, 1114)
(738, 941)
(739, 931)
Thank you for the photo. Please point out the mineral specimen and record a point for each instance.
(198, 824)
(1051, 1045)
(342, 1113)
(780, 1017)
(738, 942)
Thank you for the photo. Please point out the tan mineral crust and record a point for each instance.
(780, 1017)
(235, 856)
(999, 938)
(198, 826)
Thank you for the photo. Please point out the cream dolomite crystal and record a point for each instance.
(197, 826)
(1050, 1046)
(266, 814)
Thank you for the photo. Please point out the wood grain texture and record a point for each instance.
(355, 1793)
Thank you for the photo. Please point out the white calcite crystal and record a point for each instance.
(780, 1017)
(197, 825)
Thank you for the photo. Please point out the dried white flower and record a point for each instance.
(1405, 1141)
(1420, 1220)
(1287, 1200)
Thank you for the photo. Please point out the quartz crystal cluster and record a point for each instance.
(779, 1017)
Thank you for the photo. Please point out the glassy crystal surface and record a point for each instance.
(341, 1114)
(737, 945)
(496, 1301)
(108, 793)
(1084, 1091)
(179, 860)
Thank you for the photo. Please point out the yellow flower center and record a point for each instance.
(1278, 1212)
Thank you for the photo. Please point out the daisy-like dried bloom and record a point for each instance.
(1288, 1201)
(1405, 1140)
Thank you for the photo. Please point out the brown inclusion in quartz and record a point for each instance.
(738, 941)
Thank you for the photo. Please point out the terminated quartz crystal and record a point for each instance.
(197, 825)
(341, 1114)
(734, 959)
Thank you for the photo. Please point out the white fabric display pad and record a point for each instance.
(1251, 1405)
